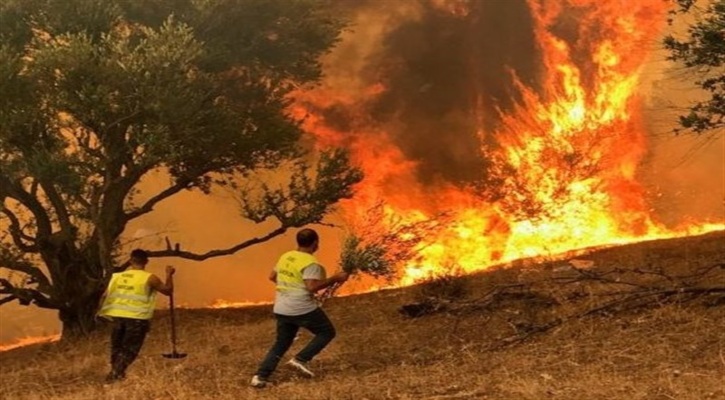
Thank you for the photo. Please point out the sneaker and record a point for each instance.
(112, 378)
(258, 382)
(302, 367)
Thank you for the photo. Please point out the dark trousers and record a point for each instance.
(287, 328)
(126, 340)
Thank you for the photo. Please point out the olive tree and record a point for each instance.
(95, 95)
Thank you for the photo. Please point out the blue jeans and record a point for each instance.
(287, 327)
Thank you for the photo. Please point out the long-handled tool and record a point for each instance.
(174, 353)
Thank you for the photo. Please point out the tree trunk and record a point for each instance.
(79, 320)
(79, 289)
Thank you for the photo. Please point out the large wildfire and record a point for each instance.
(515, 125)
(556, 168)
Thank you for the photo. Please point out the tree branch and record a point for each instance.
(149, 205)
(36, 275)
(83, 202)
(169, 252)
(15, 191)
(7, 299)
(631, 300)
(25, 296)
(16, 232)
(60, 209)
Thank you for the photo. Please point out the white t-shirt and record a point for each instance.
(297, 303)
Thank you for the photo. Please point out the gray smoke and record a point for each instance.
(442, 73)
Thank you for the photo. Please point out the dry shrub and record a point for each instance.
(381, 245)
(446, 286)
(437, 293)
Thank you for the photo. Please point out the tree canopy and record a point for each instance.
(702, 50)
(97, 94)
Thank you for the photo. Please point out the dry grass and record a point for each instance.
(667, 351)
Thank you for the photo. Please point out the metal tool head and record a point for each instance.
(174, 355)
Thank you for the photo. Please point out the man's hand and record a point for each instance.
(170, 270)
(340, 277)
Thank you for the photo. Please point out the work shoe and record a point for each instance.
(258, 382)
(302, 367)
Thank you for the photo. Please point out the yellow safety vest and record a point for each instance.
(129, 296)
(289, 271)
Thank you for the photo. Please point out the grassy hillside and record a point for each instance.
(615, 330)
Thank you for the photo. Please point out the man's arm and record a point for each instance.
(100, 303)
(104, 295)
(167, 287)
(315, 285)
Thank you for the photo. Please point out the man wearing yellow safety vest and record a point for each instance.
(130, 300)
(298, 276)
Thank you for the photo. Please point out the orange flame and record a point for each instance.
(221, 303)
(564, 166)
(27, 341)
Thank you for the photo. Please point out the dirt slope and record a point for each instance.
(615, 330)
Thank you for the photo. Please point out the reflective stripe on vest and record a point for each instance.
(129, 296)
(289, 271)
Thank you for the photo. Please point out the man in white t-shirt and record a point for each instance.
(298, 276)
